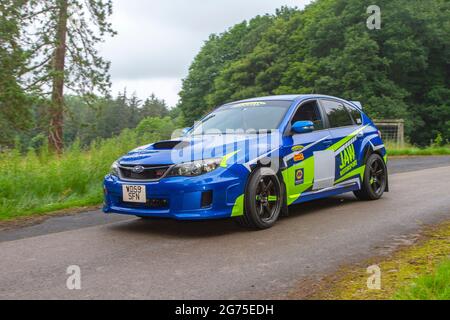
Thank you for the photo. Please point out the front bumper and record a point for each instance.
(179, 197)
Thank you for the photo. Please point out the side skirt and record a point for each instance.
(345, 187)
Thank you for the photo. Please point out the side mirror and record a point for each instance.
(185, 131)
(303, 127)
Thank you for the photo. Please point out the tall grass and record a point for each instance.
(40, 182)
(410, 150)
(435, 286)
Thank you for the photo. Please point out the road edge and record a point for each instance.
(420, 256)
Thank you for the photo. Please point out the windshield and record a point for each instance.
(245, 117)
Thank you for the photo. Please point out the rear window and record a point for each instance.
(355, 113)
(337, 114)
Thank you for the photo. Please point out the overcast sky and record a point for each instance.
(158, 39)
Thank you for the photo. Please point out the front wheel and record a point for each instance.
(375, 179)
(263, 200)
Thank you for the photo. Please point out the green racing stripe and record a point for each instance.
(294, 191)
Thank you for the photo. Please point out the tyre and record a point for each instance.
(375, 179)
(263, 200)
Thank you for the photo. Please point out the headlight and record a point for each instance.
(114, 171)
(195, 168)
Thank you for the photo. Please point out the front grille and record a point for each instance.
(149, 173)
(150, 204)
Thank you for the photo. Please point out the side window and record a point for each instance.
(309, 112)
(355, 113)
(338, 115)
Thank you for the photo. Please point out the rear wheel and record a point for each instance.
(375, 179)
(263, 200)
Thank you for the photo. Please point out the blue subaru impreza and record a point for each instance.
(251, 160)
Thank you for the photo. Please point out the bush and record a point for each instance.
(160, 128)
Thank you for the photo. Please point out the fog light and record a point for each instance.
(207, 198)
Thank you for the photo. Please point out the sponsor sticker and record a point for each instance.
(299, 157)
(250, 104)
(297, 148)
(299, 176)
(347, 159)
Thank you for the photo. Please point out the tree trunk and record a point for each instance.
(55, 136)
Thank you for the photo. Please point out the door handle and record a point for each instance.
(328, 143)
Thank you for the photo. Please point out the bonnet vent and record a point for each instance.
(170, 145)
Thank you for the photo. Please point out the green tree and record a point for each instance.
(62, 35)
(15, 115)
(399, 71)
(218, 52)
(154, 107)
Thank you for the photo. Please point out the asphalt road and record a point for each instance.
(127, 258)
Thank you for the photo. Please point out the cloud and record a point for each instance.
(164, 88)
(158, 39)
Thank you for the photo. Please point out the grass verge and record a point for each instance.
(420, 271)
(409, 150)
(40, 182)
(434, 286)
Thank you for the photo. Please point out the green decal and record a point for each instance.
(342, 142)
(294, 190)
(348, 160)
(269, 198)
(225, 159)
(347, 156)
(357, 172)
(238, 208)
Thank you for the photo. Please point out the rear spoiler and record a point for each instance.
(358, 104)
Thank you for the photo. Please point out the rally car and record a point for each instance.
(252, 159)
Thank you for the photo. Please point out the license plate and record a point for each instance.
(134, 193)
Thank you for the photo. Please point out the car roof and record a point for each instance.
(287, 97)
(294, 98)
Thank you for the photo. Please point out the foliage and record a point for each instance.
(101, 118)
(60, 37)
(85, 71)
(408, 150)
(14, 114)
(400, 71)
(216, 54)
(435, 286)
(416, 271)
(40, 181)
(161, 127)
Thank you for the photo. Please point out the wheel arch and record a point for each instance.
(368, 150)
(266, 162)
